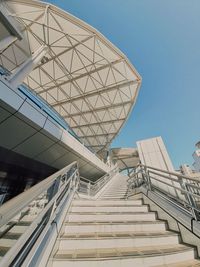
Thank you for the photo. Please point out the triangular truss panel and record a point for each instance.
(84, 77)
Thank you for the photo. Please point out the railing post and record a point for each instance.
(51, 193)
(88, 188)
(146, 177)
(192, 202)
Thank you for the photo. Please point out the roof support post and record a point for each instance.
(20, 74)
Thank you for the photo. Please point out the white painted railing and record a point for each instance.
(45, 206)
(183, 190)
(91, 188)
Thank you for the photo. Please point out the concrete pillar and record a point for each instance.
(18, 77)
(4, 43)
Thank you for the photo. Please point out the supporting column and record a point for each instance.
(23, 71)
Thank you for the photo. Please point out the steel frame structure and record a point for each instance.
(88, 81)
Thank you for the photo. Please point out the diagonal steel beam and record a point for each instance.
(99, 91)
(97, 123)
(98, 109)
(84, 74)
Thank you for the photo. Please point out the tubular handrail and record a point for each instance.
(188, 192)
(92, 188)
(92, 182)
(176, 187)
(51, 196)
(16, 204)
(86, 180)
(174, 180)
(169, 172)
(132, 176)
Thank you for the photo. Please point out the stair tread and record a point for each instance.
(111, 206)
(114, 222)
(82, 200)
(11, 235)
(111, 212)
(120, 252)
(192, 263)
(113, 235)
(3, 250)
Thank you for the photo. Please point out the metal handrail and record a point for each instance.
(94, 182)
(169, 172)
(16, 204)
(86, 180)
(189, 193)
(91, 188)
(57, 189)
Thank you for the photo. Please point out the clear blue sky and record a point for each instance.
(162, 40)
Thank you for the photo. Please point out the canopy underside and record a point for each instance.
(85, 78)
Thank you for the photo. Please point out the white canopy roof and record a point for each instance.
(87, 80)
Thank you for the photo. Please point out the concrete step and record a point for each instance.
(10, 238)
(3, 250)
(18, 229)
(140, 256)
(122, 197)
(123, 217)
(6, 242)
(117, 189)
(192, 263)
(119, 194)
(117, 241)
(105, 203)
(129, 234)
(114, 193)
(150, 226)
(111, 209)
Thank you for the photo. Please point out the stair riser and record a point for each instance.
(117, 190)
(122, 190)
(114, 196)
(4, 242)
(110, 209)
(111, 217)
(119, 187)
(107, 203)
(18, 229)
(106, 228)
(117, 242)
(129, 262)
(29, 218)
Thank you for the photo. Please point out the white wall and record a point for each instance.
(153, 153)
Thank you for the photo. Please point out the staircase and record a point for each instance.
(118, 232)
(117, 189)
(10, 233)
(13, 234)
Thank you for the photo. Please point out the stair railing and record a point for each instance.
(43, 204)
(91, 188)
(182, 190)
